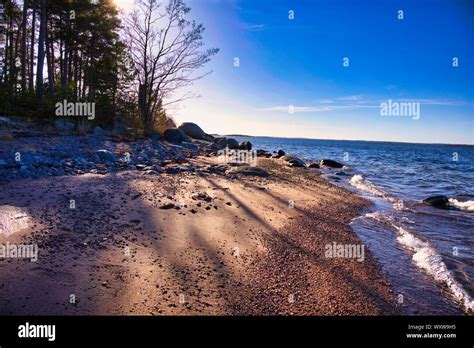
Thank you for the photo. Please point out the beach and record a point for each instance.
(193, 242)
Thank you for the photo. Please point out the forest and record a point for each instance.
(130, 66)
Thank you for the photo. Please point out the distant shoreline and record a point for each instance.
(367, 141)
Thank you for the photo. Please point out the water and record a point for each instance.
(427, 253)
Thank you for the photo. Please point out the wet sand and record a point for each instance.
(231, 245)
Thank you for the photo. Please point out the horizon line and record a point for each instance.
(373, 141)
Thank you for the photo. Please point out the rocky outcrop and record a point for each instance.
(194, 131)
(175, 135)
(330, 163)
(245, 145)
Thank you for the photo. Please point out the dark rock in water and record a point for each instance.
(440, 202)
(281, 153)
(175, 135)
(313, 165)
(251, 171)
(330, 163)
(195, 132)
(296, 162)
(105, 156)
(64, 125)
(341, 173)
(245, 145)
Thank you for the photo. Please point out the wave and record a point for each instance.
(427, 258)
(463, 205)
(358, 181)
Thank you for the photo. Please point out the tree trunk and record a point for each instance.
(49, 62)
(41, 51)
(32, 50)
(23, 47)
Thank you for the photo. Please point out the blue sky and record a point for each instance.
(299, 63)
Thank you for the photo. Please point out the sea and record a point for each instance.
(427, 253)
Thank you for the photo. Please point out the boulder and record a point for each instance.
(245, 145)
(330, 163)
(64, 125)
(263, 153)
(5, 122)
(440, 202)
(281, 153)
(313, 165)
(100, 132)
(105, 156)
(251, 171)
(289, 158)
(175, 135)
(194, 131)
(222, 143)
(296, 162)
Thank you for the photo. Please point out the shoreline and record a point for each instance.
(217, 255)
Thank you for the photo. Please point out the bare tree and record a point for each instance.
(166, 52)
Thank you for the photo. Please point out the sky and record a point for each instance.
(291, 80)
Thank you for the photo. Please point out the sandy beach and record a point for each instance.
(198, 242)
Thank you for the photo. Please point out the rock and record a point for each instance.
(330, 163)
(245, 145)
(293, 161)
(296, 162)
(202, 196)
(3, 164)
(64, 125)
(440, 202)
(172, 170)
(251, 171)
(5, 122)
(194, 131)
(313, 165)
(100, 132)
(231, 143)
(175, 135)
(167, 206)
(263, 153)
(105, 156)
(341, 173)
(281, 153)
(119, 130)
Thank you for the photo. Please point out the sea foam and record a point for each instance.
(467, 205)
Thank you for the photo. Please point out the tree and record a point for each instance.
(166, 53)
(41, 51)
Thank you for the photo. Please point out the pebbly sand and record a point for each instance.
(231, 245)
